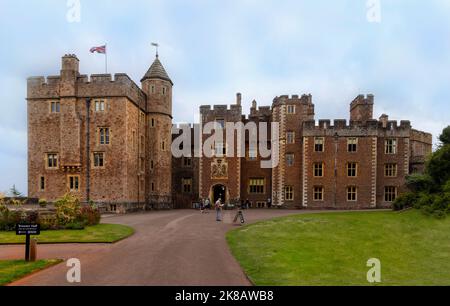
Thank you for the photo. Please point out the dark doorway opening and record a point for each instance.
(219, 192)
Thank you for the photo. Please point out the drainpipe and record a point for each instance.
(88, 150)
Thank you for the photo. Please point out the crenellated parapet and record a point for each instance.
(304, 99)
(355, 128)
(94, 86)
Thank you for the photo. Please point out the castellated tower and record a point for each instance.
(157, 85)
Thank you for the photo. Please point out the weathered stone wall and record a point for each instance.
(159, 139)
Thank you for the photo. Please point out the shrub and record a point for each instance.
(68, 209)
(48, 222)
(404, 201)
(439, 214)
(424, 200)
(9, 219)
(43, 203)
(90, 215)
(420, 182)
(427, 210)
(446, 187)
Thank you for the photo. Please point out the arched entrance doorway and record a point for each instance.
(219, 192)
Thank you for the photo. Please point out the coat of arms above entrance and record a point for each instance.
(219, 169)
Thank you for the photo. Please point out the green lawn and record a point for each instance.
(102, 233)
(11, 270)
(333, 249)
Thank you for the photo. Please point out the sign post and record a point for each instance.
(27, 229)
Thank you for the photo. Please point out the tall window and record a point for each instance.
(99, 105)
(352, 194)
(390, 193)
(352, 169)
(42, 183)
(187, 185)
(289, 193)
(164, 90)
(290, 137)
(319, 144)
(104, 136)
(153, 186)
(352, 144)
(151, 165)
(318, 193)
(163, 145)
(152, 89)
(256, 186)
(152, 122)
(99, 160)
(52, 161)
(291, 109)
(74, 183)
(390, 170)
(55, 107)
(290, 158)
(391, 146)
(318, 169)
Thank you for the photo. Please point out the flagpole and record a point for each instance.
(106, 58)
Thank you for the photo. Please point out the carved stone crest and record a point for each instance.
(219, 169)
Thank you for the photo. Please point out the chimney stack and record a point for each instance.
(239, 98)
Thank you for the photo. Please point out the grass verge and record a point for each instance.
(102, 233)
(333, 249)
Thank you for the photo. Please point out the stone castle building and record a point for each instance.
(108, 140)
(102, 139)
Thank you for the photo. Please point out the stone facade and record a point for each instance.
(106, 139)
(97, 138)
(330, 165)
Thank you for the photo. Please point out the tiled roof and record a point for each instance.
(156, 71)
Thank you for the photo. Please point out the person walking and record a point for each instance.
(269, 203)
(202, 205)
(207, 204)
(219, 207)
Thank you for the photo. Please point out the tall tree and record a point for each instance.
(445, 136)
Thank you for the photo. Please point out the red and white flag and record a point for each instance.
(101, 49)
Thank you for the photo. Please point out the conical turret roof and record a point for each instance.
(157, 71)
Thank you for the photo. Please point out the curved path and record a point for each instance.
(179, 247)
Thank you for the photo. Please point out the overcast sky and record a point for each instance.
(213, 49)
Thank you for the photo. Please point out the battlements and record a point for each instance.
(304, 99)
(96, 85)
(369, 127)
(220, 108)
(261, 111)
(361, 99)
